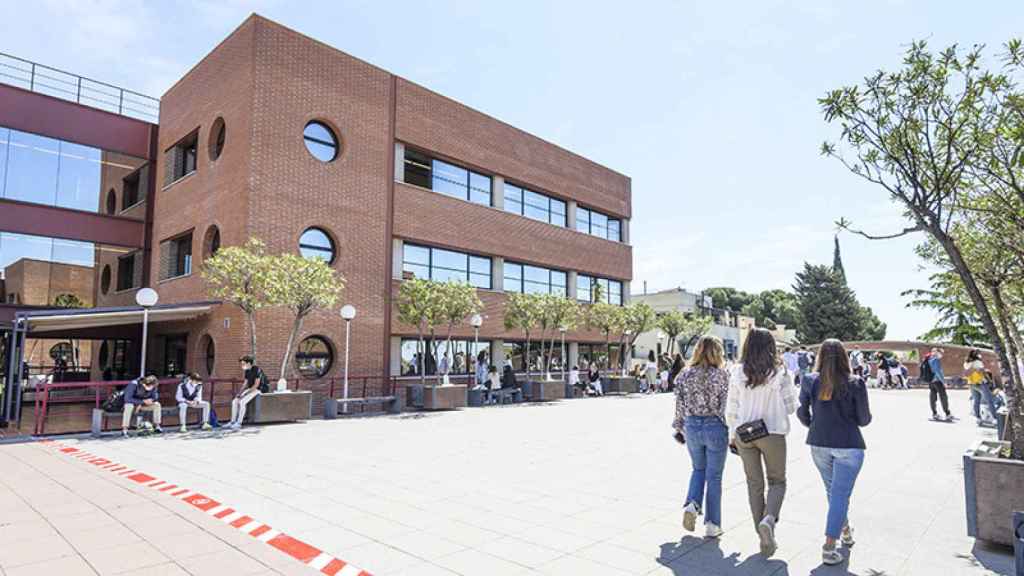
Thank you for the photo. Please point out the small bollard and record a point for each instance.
(1018, 542)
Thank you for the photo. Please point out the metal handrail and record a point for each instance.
(44, 79)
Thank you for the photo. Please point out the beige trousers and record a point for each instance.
(129, 409)
(764, 459)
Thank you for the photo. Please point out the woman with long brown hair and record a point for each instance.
(834, 405)
(701, 391)
(761, 398)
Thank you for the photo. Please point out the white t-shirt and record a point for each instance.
(772, 401)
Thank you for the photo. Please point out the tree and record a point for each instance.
(418, 305)
(239, 275)
(957, 320)
(562, 314)
(729, 299)
(872, 327)
(302, 285)
(927, 134)
(637, 318)
(828, 307)
(837, 261)
(522, 312)
(69, 300)
(458, 301)
(695, 327)
(608, 319)
(673, 324)
(773, 307)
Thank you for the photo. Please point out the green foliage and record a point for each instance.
(302, 285)
(837, 261)
(828, 307)
(683, 330)
(957, 321)
(240, 275)
(557, 313)
(419, 305)
(524, 312)
(68, 300)
(730, 299)
(773, 307)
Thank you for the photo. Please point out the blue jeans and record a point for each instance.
(707, 438)
(979, 392)
(839, 468)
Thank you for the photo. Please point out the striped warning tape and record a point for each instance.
(308, 555)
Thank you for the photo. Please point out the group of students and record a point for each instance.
(746, 410)
(142, 395)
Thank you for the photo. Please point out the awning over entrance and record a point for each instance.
(62, 321)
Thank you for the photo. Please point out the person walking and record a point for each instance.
(761, 398)
(804, 362)
(650, 372)
(701, 392)
(789, 359)
(937, 384)
(857, 361)
(981, 387)
(834, 406)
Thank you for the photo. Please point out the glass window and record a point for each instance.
(315, 243)
(615, 230)
(446, 265)
(314, 357)
(126, 272)
(130, 186)
(461, 355)
(611, 289)
(533, 279)
(446, 178)
(33, 164)
(417, 169)
(105, 279)
(211, 354)
(583, 220)
(557, 212)
(515, 352)
(217, 135)
(449, 179)
(598, 224)
(78, 182)
(176, 257)
(479, 189)
(513, 277)
(534, 205)
(320, 141)
(558, 282)
(584, 288)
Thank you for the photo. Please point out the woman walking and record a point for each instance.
(834, 405)
(761, 398)
(701, 391)
(650, 372)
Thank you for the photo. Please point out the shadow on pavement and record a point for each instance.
(712, 560)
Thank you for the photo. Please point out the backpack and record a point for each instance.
(114, 402)
(926, 370)
(803, 360)
(264, 382)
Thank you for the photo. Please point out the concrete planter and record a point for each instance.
(994, 489)
(544, 390)
(619, 385)
(282, 407)
(437, 397)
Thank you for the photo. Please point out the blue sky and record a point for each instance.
(710, 107)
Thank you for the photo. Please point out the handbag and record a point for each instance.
(752, 431)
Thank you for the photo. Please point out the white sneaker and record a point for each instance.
(711, 530)
(766, 530)
(235, 426)
(206, 426)
(183, 429)
(690, 516)
(831, 556)
(847, 536)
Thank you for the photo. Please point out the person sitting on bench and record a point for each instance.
(190, 395)
(141, 395)
(255, 384)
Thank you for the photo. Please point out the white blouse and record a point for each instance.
(772, 402)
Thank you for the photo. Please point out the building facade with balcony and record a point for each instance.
(276, 136)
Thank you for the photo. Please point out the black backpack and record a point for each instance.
(926, 371)
(114, 402)
(262, 377)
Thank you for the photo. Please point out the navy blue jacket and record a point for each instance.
(135, 393)
(834, 423)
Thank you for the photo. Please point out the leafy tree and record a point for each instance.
(729, 298)
(957, 319)
(941, 137)
(673, 324)
(608, 319)
(418, 305)
(458, 301)
(773, 307)
(837, 261)
(637, 318)
(872, 327)
(695, 327)
(69, 300)
(302, 285)
(523, 312)
(828, 307)
(560, 313)
(239, 275)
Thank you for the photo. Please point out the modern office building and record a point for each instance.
(276, 136)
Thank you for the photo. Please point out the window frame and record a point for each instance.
(522, 279)
(334, 144)
(423, 166)
(607, 283)
(330, 242)
(131, 277)
(550, 214)
(330, 356)
(431, 266)
(589, 213)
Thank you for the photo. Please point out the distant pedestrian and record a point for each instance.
(834, 405)
(857, 362)
(650, 372)
(789, 359)
(981, 386)
(804, 362)
(701, 392)
(932, 373)
(761, 399)
(594, 379)
(677, 367)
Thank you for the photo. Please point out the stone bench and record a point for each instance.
(100, 416)
(544, 390)
(281, 407)
(437, 397)
(391, 404)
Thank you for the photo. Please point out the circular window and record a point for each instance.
(314, 357)
(320, 141)
(217, 134)
(105, 279)
(315, 243)
(211, 241)
(210, 353)
(111, 201)
(61, 350)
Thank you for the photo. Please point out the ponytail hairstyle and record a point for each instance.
(833, 369)
(760, 357)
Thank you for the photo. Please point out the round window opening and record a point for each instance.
(61, 351)
(105, 279)
(211, 243)
(111, 201)
(315, 243)
(218, 132)
(314, 357)
(320, 141)
(210, 353)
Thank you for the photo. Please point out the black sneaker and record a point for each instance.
(158, 430)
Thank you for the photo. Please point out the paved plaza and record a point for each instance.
(575, 487)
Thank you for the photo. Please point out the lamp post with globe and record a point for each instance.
(147, 298)
(348, 313)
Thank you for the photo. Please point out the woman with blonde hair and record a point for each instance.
(761, 398)
(701, 391)
(834, 405)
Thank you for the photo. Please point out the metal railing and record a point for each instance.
(67, 86)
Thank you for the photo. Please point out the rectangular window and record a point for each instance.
(126, 272)
(443, 265)
(176, 257)
(528, 279)
(181, 158)
(515, 353)
(597, 224)
(534, 205)
(130, 187)
(611, 290)
(461, 355)
(446, 178)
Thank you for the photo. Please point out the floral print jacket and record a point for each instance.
(700, 391)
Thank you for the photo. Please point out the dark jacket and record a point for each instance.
(834, 423)
(253, 377)
(135, 393)
(508, 378)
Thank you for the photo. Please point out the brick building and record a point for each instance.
(277, 136)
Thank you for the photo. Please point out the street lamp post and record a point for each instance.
(561, 330)
(626, 348)
(348, 312)
(476, 320)
(147, 298)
